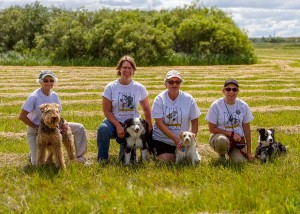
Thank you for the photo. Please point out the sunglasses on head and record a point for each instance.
(171, 82)
(48, 80)
(231, 89)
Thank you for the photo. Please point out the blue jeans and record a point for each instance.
(105, 132)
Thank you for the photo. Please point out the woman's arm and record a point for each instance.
(247, 131)
(194, 128)
(107, 110)
(214, 130)
(23, 117)
(147, 111)
(164, 129)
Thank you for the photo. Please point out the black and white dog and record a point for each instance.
(267, 147)
(137, 135)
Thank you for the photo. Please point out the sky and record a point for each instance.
(258, 18)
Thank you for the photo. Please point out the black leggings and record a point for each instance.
(162, 147)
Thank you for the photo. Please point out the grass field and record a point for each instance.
(271, 88)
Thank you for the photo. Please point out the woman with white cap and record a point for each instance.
(229, 124)
(31, 115)
(174, 111)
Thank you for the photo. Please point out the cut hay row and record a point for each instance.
(269, 87)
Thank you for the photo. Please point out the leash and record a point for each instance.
(233, 144)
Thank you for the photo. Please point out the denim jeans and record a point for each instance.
(105, 132)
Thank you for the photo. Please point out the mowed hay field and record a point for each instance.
(271, 88)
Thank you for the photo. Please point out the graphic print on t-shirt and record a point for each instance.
(173, 117)
(231, 120)
(126, 102)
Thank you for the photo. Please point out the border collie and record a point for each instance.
(137, 135)
(267, 147)
(189, 150)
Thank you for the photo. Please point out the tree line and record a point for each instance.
(190, 35)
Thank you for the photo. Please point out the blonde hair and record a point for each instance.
(123, 59)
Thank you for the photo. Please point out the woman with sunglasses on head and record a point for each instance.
(31, 115)
(229, 124)
(120, 101)
(174, 111)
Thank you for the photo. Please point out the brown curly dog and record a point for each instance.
(52, 133)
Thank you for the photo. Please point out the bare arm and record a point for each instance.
(194, 128)
(23, 117)
(214, 130)
(107, 110)
(147, 111)
(247, 131)
(166, 131)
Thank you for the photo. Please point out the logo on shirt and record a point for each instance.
(126, 102)
(173, 117)
(232, 120)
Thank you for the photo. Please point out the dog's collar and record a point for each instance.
(265, 146)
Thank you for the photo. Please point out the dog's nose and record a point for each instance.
(54, 118)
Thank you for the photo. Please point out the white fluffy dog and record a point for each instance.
(189, 150)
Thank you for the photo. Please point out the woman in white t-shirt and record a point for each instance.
(174, 111)
(31, 115)
(229, 124)
(121, 99)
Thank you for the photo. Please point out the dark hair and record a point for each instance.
(128, 59)
(231, 81)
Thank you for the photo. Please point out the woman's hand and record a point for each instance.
(120, 131)
(237, 137)
(250, 157)
(178, 144)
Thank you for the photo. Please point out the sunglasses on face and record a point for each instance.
(231, 89)
(45, 81)
(171, 82)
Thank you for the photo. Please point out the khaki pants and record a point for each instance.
(220, 143)
(80, 140)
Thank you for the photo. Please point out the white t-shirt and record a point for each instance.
(177, 114)
(229, 117)
(125, 98)
(33, 102)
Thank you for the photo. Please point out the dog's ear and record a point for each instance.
(272, 130)
(261, 130)
(57, 106)
(194, 136)
(145, 124)
(43, 107)
(181, 135)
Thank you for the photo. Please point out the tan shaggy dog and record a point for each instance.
(52, 133)
(189, 151)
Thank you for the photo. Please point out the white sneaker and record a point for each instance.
(83, 160)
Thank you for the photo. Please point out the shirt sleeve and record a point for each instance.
(107, 93)
(194, 112)
(29, 104)
(157, 108)
(212, 115)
